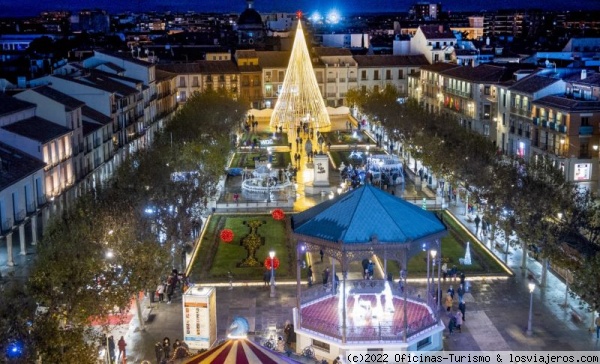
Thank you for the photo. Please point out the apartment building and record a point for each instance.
(340, 73)
(22, 184)
(376, 72)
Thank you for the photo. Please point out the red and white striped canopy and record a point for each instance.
(239, 351)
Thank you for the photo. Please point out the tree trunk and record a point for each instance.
(524, 256)
(544, 272)
(138, 306)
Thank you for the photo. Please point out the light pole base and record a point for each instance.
(529, 333)
(272, 295)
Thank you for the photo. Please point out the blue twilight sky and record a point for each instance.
(33, 7)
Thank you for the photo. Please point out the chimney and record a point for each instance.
(583, 74)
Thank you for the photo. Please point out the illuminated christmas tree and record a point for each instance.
(300, 99)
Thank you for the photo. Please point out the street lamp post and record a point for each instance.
(529, 332)
(433, 253)
(428, 288)
(272, 255)
(268, 182)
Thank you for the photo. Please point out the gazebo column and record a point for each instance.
(333, 287)
(405, 270)
(384, 264)
(298, 286)
(344, 274)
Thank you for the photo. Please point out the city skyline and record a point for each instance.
(34, 7)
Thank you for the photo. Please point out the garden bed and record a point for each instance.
(246, 159)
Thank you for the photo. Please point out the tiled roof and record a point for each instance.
(69, 102)
(16, 165)
(126, 56)
(483, 73)
(105, 83)
(389, 60)
(357, 216)
(164, 75)
(436, 32)
(37, 129)
(532, 83)
(97, 116)
(568, 104)
(439, 67)
(331, 51)
(591, 79)
(114, 67)
(245, 53)
(10, 105)
(273, 59)
(250, 68)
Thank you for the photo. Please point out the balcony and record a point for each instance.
(552, 125)
(41, 200)
(527, 134)
(342, 80)
(562, 128)
(352, 80)
(330, 79)
(544, 123)
(586, 130)
(512, 129)
(30, 206)
(536, 121)
(330, 94)
(20, 215)
(520, 131)
(7, 225)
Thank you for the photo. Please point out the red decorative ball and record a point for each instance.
(226, 235)
(268, 262)
(278, 214)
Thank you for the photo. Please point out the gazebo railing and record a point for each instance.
(358, 333)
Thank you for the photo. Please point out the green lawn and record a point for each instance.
(215, 258)
(246, 160)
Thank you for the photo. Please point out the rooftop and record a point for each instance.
(533, 83)
(389, 60)
(10, 105)
(95, 115)
(568, 104)
(16, 165)
(37, 129)
(70, 103)
(436, 32)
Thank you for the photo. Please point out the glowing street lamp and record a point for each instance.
(272, 256)
(433, 253)
(268, 182)
(529, 332)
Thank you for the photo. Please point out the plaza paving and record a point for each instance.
(496, 308)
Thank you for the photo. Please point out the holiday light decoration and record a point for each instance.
(268, 262)
(300, 100)
(226, 235)
(278, 214)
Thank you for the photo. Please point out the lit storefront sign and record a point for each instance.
(582, 171)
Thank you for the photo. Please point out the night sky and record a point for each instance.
(33, 7)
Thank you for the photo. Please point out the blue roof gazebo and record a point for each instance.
(363, 222)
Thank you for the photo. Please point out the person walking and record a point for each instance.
(459, 321)
(448, 303)
(170, 289)
(322, 254)
(462, 279)
(598, 327)
(325, 276)
(122, 353)
(477, 221)
(267, 277)
(111, 348)
(310, 275)
(462, 308)
(167, 347)
(160, 291)
(461, 292)
(452, 324)
(451, 292)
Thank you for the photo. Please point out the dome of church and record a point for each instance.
(250, 17)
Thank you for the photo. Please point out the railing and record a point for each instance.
(520, 131)
(41, 200)
(562, 128)
(7, 225)
(30, 207)
(329, 94)
(330, 79)
(535, 121)
(342, 80)
(20, 215)
(352, 79)
(512, 130)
